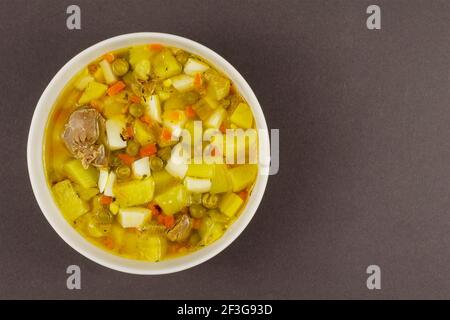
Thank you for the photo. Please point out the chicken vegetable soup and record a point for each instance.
(140, 156)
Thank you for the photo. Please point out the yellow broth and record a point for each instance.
(166, 213)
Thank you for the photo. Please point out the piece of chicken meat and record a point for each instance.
(82, 134)
(181, 230)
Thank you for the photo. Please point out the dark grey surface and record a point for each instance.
(365, 170)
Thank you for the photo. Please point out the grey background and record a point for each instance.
(365, 149)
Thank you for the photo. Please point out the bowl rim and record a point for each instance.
(41, 190)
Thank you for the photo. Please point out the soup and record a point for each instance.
(137, 152)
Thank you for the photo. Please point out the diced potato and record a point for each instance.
(218, 87)
(175, 101)
(114, 129)
(152, 247)
(196, 185)
(142, 133)
(133, 217)
(163, 181)
(230, 204)
(94, 90)
(139, 53)
(242, 116)
(165, 65)
(202, 170)
(242, 176)
(134, 192)
(220, 181)
(68, 200)
(142, 70)
(83, 79)
(85, 194)
(141, 168)
(86, 178)
(194, 66)
(173, 200)
(114, 208)
(210, 231)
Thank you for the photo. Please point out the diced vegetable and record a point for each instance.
(177, 164)
(173, 200)
(210, 231)
(116, 88)
(136, 110)
(123, 171)
(142, 69)
(156, 163)
(197, 185)
(126, 159)
(202, 170)
(109, 188)
(85, 194)
(175, 101)
(133, 217)
(230, 204)
(148, 150)
(154, 108)
(242, 176)
(141, 168)
(68, 201)
(83, 79)
(165, 65)
(205, 107)
(114, 208)
(183, 82)
(163, 181)
(152, 247)
(220, 181)
(142, 133)
(114, 128)
(242, 116)
(86, 178)
(105, 200)
(139, 53)
(94, 90)
(216, 118)
(120, 67)
(218, 87)
(110, 78)
(194, 66)
(134, 192)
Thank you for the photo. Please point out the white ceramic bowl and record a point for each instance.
(36, 166)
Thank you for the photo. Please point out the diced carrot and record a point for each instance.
(213, 152)
(174, 115)
(146, 118)
(116, 88)
(108, 242)
(190, 112)
(197, 223)
(243, 195)
(126, 159)
(160, 219)
(135, 99)
(223, 128)
(169, 221)
(154, 209)
(198, 80)
(148, 150)
(155, 46)
(166, 134)
(105, 200)
(129, 132)
(109, 57)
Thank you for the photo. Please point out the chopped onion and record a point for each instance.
(102, 179)
(133, 217)
(194, 66)
(141, 167)
(154, 108)
(183, 82)
(110, 78)
(197, 185)
(216, 118)
(110, 184)
(114, 128)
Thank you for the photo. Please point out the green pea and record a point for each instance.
(123, 172)
(182, 56)
(137, 110)
(120, 67)
(156, 164)
(194, 239)
(197, 211)
(210, 201)
(191, 97)
(132, 148)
